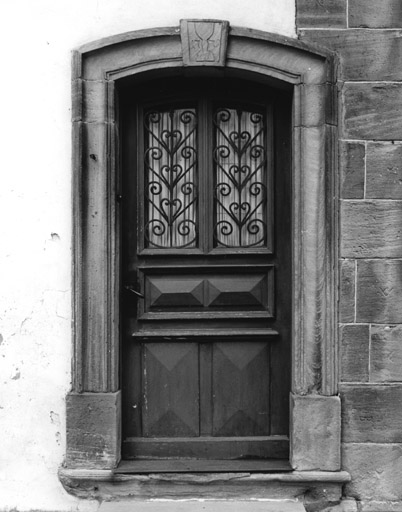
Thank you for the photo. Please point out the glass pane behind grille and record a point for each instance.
(240, 193)
(171, 179)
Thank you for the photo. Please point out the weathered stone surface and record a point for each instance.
(314, 99)
(347, 291)
(379, 291)
(326, 13)
(315, 487)
(376, 471)
(372, 111)
(315, 432)
(371, 13)
(384, 170)
(354, 348)
(94, 101)
(93, 430)
(371, 414)
(365, 54)
(371, 229)
(380, 506)
(352, 161)
(386, 353)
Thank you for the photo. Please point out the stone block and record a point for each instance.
(354, 352)
(371, 414)
(365, 54)
(380, 506)
(386, 353)
(376, 471)
(315, 432)
(379, 291)
(384, 171)
(93, 430)
(352, 161)
(371, 229)
(369, 13)
(314, 98)
(372, 111)
(347, 291)
(94, 101)
(76, 100)
(326, 13)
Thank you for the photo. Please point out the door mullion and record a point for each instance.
(205, 362)
(205, 176)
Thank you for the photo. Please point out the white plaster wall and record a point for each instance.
(36, 38)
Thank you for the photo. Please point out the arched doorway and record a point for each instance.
(94, 404)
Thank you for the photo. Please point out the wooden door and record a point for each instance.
(206, 256)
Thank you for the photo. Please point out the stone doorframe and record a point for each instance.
(93, 405)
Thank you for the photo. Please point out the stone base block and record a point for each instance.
(315, 432)
(93, 430)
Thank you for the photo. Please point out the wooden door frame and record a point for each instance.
(93, 405)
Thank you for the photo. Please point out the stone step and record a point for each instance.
(202, 506)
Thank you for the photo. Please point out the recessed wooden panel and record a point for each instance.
(240, 380)
(207, 447)
(170, 390)
(206, 466)
(209, 291)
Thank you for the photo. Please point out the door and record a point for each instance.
(206, 259)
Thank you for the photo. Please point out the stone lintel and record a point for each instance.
(315, 428)
(93, 430)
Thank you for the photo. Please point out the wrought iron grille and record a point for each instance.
(171, 189)
(240, 192)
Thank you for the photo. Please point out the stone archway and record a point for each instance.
(93, 406)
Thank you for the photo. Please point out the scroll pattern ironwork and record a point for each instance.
(240, 194)
(171, 173)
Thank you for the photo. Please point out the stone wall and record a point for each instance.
(367, 36)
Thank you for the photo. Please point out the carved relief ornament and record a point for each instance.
(204, 42)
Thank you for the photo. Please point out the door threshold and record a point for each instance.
(203, 506)
(202, 466)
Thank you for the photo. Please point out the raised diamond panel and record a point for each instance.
(240, 382)
(175, 291)
(170, 389)
(209, 290)
(237, 291)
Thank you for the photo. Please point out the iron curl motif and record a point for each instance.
(170, 179)
(240, 194)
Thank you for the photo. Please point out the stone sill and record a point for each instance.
(107, 485)
(202, 506)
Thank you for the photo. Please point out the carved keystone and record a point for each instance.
(204, 42)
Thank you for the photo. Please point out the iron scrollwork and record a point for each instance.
(171, 170)
(240, 158)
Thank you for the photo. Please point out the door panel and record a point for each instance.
(210, 289)
(170, 386)
(206, 259)
(240, 400)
